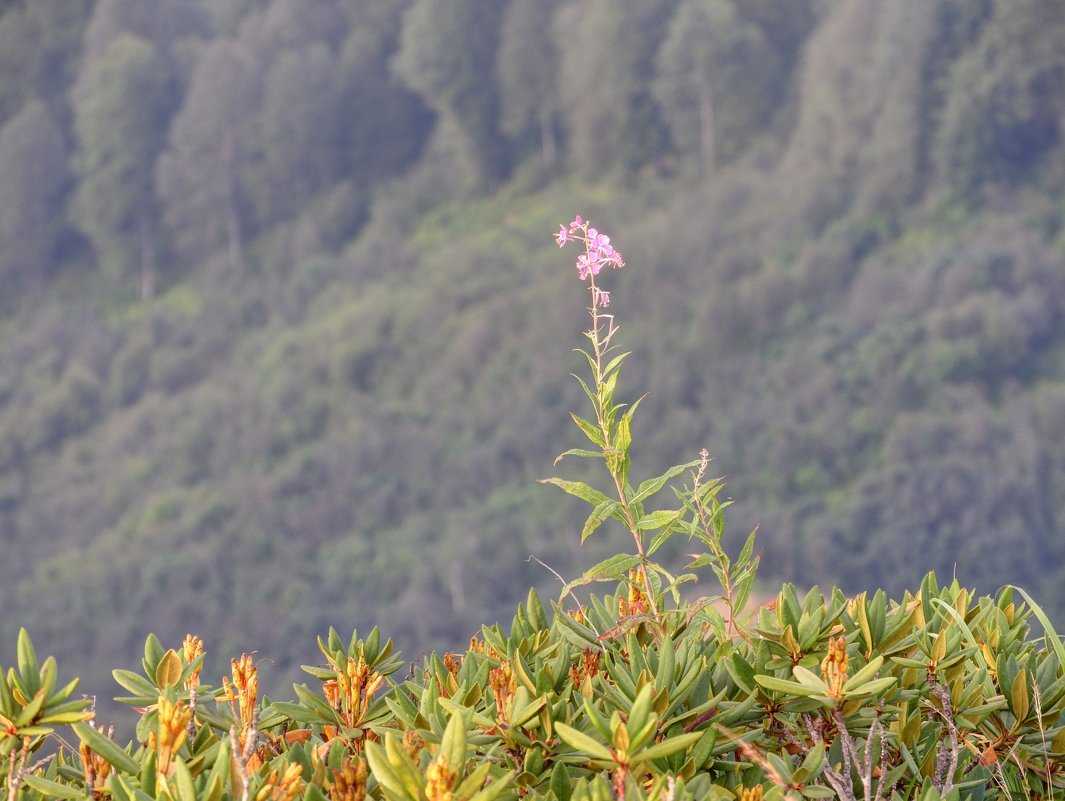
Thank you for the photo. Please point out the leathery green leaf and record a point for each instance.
(1019, 695)
(582, 742)
(453, 744)
(168, 671)
(669, 746)
(52, 789)
(785, 686)
(106, 748)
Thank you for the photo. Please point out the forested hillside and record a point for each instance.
(285, 342)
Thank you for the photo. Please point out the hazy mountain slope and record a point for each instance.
(332, 407)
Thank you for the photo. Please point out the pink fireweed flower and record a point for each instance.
(588, 264)
(602, 298)
(598, 250)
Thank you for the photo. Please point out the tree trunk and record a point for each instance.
(233, 236)
(548, 143)
(147, 256)
(707, 145)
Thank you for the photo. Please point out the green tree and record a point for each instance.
(447, 54)
(714, 74)
(1004, 115)
(528, 75)
(121, 110)
(302, 23)
(299, 130)
(384, 124)
(199, 174)
(39, 51)
(161, 22)
(608, 49)
(33, 175)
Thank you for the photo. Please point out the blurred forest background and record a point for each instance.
(285, 339)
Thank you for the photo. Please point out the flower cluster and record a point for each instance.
(834, 666)
(597, 252)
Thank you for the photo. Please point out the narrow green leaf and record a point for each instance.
(813, 761)
(315, 703)
(580, 453)
(578, 489)
(865, 674)
(598, 516)
(383, 771)
(613, 568)
(623, 436)
(1019, 695)
(523, 714)
(296, 712)
(106, 748)
(153, 652)
(591, 430)
(615, 363)
(561, 784)
(653, 485)
(664, 518)
(134, 682)
(1050, 635)
(50, 789)
(453, 744)
(28, 667)
(583, 743)
(494, 790)
(667, 747)
(28, 714)
(874, 687)
(785, 686)
(186, 790)
(409, 776)
(807, 678)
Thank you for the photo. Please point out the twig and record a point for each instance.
(242, 755)
(191, 728)
(15, 776)
(840, 780)
(946, 761)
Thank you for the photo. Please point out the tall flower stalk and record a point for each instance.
(610, 431)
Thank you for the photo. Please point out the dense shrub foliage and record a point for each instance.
(938, 695)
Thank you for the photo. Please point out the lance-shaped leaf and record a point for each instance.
(653, 485)
(591, 430)
(578, 489)
(785, 686)
(667, 747)
(612, 569)
(577, 739)
(598, 517)
(494, 790)
(453, 744)
(393, 769)
(660, 519)
(874, 687)
(865, 674)
(106, 748)
(51, 789)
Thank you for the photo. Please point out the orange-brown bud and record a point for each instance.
(192, 650)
